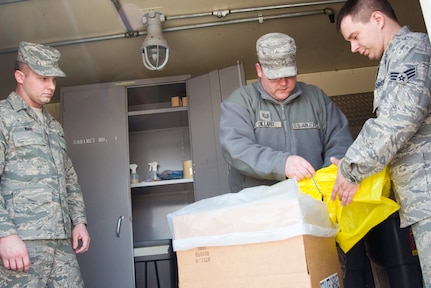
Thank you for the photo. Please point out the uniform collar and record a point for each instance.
(403, 31)
(17, 104)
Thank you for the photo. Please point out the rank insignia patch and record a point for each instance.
(403, 77)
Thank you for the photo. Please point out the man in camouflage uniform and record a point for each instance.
(42, 212)
(400, 136)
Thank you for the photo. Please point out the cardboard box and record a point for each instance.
(301, 262)
(233, 240)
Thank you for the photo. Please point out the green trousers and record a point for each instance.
(53, 265)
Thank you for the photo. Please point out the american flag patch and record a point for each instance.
(403, 77)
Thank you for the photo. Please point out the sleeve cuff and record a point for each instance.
(345, 171)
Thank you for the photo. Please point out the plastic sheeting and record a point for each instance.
(253, 215)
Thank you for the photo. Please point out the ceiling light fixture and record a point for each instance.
(155, 49)
(154, 19)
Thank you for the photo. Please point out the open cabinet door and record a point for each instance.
(206, 92)
(95, 124)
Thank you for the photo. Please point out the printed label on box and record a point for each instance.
(202, 255)
(330, 282)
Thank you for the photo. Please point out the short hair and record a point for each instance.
(18, 65)
(361, 10)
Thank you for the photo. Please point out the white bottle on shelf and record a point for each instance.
(134, 177)
(154, 167)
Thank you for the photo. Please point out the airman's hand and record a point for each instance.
(343, 187)
(80, 232)
(13, 253)
(299, 168)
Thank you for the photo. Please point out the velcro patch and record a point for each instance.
(306, 125)
(267, 124)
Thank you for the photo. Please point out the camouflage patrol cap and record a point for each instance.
(276, 53)
(40, 58)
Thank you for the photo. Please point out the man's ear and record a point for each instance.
(19, 76)
(379, 18)
(258, 70)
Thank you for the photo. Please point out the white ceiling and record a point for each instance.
(193, 51)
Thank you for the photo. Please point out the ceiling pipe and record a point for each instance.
(330, 14)
(285, 6)
(225, 12)
(10, 1)
(260, 19)
(186, 16)
(130, 32)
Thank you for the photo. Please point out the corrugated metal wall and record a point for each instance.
(357, 108)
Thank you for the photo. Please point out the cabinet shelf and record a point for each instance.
(160, 118)
(156, 111)
(161, 182)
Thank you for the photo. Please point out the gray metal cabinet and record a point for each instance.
(111, 125)
(94, 120)
(206, 93)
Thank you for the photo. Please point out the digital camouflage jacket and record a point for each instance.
(40, 195)
(400, 136)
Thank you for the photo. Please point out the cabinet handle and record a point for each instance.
(119, 221)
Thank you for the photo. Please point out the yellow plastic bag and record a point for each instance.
(370, 205)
